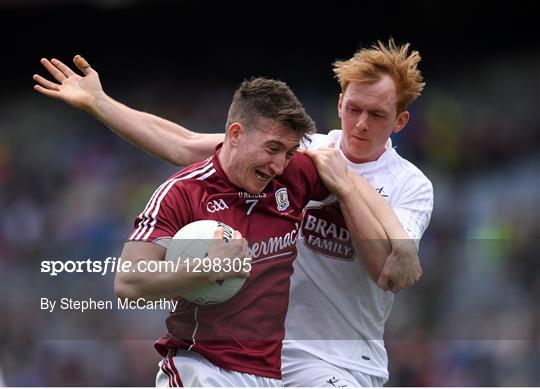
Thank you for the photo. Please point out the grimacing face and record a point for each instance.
(260, 154)
(368, 117)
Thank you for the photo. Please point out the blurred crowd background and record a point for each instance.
(70, 188)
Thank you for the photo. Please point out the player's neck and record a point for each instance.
(225, 158)
(365, 159)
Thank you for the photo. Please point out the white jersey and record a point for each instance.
(336, 311)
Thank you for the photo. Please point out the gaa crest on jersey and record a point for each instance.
(282, 199)
(216, 205)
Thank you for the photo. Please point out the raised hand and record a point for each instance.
(72, 88)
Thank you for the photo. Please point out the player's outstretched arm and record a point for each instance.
(172, 279)
(155, 135)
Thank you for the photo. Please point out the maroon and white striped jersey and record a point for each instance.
(244, 333)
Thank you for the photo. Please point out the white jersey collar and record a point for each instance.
(335, 137)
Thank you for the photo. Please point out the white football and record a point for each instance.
(193, 242)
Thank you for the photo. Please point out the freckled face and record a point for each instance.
(368, 117)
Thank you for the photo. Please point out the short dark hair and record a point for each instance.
(269, 99)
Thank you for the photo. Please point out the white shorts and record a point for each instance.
(189, 368)
(300, 368)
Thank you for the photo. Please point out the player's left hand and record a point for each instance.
(331, 167)
(79, 91)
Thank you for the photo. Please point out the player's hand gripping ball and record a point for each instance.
(191, 245)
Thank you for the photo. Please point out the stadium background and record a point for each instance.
(70, 188)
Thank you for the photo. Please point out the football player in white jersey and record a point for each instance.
(335, 323)
(339, 305)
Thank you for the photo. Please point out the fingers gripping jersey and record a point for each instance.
(244, 333)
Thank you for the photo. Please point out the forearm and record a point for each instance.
(402, 266)
(155, 135)
(381, 210)
(170, 282)
(168, 279)
(366, 215)
(368, 235)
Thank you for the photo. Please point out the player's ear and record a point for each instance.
(235, 133)
(401, 122)
(340, 104)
